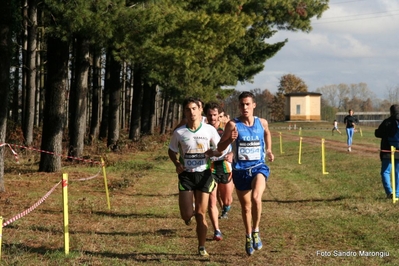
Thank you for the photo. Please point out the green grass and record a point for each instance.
(305, 213)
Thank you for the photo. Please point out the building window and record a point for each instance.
(298, 109)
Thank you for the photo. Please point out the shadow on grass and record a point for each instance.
(305, 200)
(161, 257)
(155, 195)
(17, 247)
(139, 257)
(131, 215)
(161, 232)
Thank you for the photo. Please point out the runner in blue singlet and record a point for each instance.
(252, 142)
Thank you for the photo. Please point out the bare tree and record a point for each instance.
(393, 94)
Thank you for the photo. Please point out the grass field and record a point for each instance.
(309, 217)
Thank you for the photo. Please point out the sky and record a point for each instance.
(355, 41)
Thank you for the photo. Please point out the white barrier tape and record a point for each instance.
(13, 152)
(34, 206)
(88, 178)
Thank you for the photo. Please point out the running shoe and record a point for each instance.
(257, 243)
(249, 246)
(202, 252)
(349, 149)
(223, 215)
(218, 235)
(225, 210)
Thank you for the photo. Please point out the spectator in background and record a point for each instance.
(389, 134)
(350, 122)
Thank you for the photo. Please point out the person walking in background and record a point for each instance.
(350, 122)
(221, 172)
(335, 127)
(193, 142)
(253, 143)
(389, 134)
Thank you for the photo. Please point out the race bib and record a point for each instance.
(249, 150)
(192, 160)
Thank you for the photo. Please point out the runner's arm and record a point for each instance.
(229, 136)
(175, 161)
(268, 140)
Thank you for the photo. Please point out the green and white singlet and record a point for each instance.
(192, 145)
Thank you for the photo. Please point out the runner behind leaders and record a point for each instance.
(221, 172)
(251, 137)
(193, 143)
(389, 133)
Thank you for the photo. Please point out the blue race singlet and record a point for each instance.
(249, 148)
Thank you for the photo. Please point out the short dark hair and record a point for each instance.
(394, 109)
(188, 100)
(246, 94)
(212, 105)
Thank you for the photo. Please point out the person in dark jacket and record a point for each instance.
(387, 131)
(350, 122)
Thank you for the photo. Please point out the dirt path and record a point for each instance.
(337, 145)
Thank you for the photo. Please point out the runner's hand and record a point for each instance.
(179, 168)
(234, 134)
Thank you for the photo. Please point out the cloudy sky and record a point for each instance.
(354, 41)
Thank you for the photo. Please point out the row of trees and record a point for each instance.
(94, 67)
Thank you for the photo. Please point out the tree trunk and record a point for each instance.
(105, 110)
(31, 74)
(78, 100)
(134, 133)
(5, 55)
(123, 95)
(42, 63)
(96, 95)
(148, 110)
(165, 114)
(54, 108)
(24, 47)
(114, 103)
(15, 92)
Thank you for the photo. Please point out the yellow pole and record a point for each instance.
(361, 132)
(1, 234)
(106, 184)
(300, 150)
(281, 144)
(394, 199)
(65, 202)
(322, 158)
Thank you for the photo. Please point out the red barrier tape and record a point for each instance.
(13, 152)
(388, 151)
(48, 152)
(34, 206)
